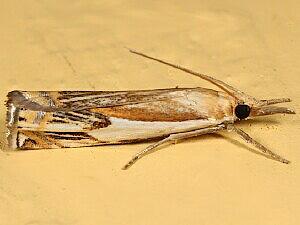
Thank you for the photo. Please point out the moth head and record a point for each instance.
(261, 108)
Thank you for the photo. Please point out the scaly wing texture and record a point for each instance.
(78, 100)
(84, 118)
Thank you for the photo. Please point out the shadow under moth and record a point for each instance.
(63, 119)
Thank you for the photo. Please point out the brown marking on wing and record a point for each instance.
(52, 140)
(91, 120)
(44, 140)
(169, 111)
(35, 140)
(98, 124)
(193, 105)
(66, 135)
(52, 101)
(219, 106)
(217, 111)
(29, 144)
(139, 140)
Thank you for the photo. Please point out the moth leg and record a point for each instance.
(173, 138)
(259, 146)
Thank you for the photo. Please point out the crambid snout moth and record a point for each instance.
(62, 119)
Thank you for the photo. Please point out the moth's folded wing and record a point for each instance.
(74, 119)
(31, 115)
(60, 121)
(88, 100)
(78, 100)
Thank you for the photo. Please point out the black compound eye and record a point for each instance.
(242, 111)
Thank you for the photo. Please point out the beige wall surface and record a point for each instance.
(218, 179)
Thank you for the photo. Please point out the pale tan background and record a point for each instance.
(79, 45)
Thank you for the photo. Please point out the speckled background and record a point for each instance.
(79, 45)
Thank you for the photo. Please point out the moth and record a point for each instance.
(64, 119)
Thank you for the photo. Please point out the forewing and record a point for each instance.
(67, 119)
(61, 121)
(78, 100)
